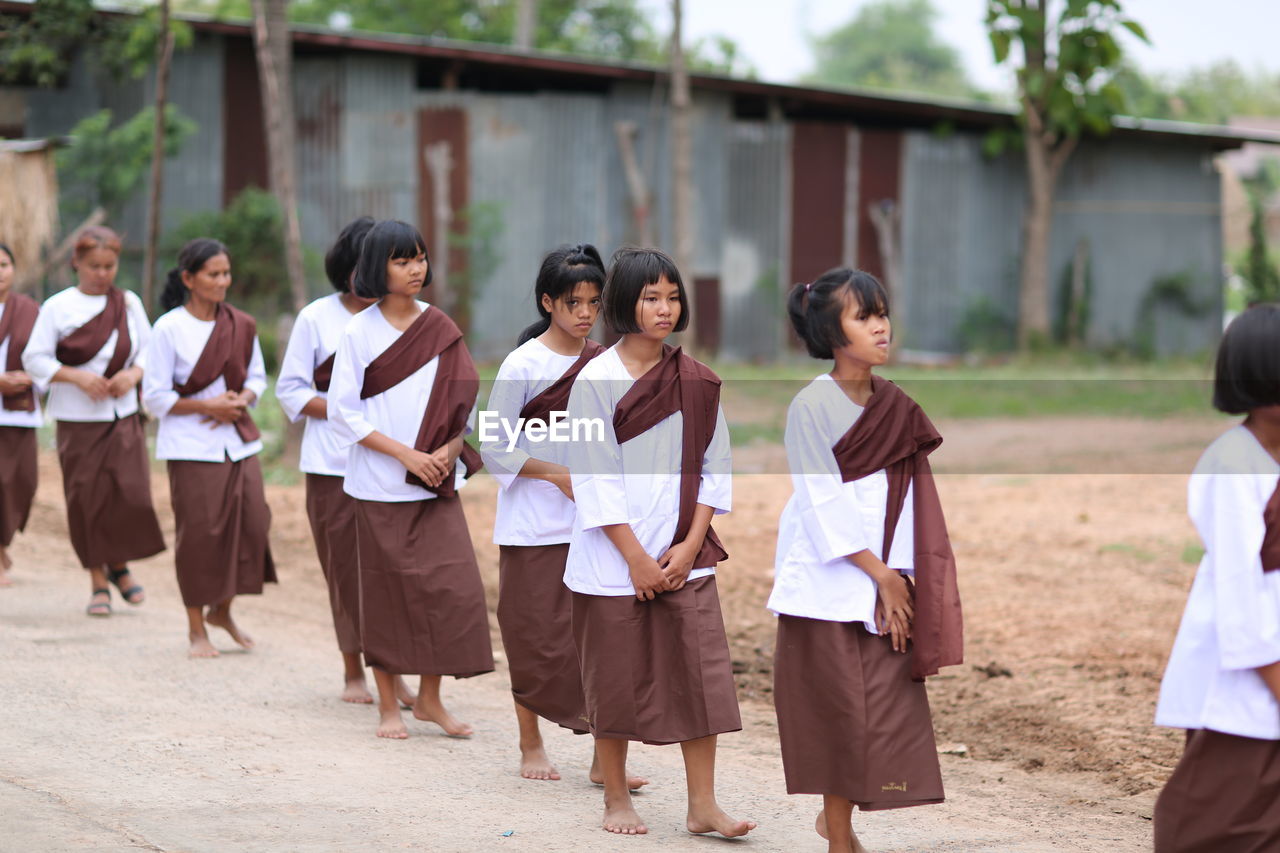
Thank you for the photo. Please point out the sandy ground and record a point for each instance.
(1073, 584)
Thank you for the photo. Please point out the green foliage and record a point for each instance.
(104, 166)
(1259, 270)
(1071, 322)
(891, 44)
(1212, 94)
(987, 328)
(1175, 292)
(479, 232)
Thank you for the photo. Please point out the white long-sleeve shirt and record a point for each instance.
(30, 419)
(315, 337)
(63, 313)
(636, 483)
(530, 512)
(1231, 625)
(178, 340)
(396, 413)
(826, 519)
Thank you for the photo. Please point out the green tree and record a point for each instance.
(1211, 94)
(1067, 54)
(891, 44)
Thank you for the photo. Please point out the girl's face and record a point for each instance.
(658, 310)
(407, 276)
(96, 270)
(210, 282)
(575, 312)
(867, 332)
(6, 274)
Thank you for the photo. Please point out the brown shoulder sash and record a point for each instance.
(87, 341)
(1271, 538)
(227, 353)
(678, 383)
(323, 373)
(555, 397)
(19, 318)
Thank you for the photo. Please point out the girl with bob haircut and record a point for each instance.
(90, 346)
(302, 389)
(205, 375)
(20, 413)
(535, 503)
(1222, 683)
(401, 399)
(865, 581)
(642, 554)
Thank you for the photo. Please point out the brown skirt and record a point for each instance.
(422, 609)
(852, 722)
(332, 513)
(222, 519)
(107, 481)
(656, 671)
(1223, 797)
(17, 479)
(535, 613)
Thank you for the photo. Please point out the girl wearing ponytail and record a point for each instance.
(864, 579)
(204, 375)
(535, 502)
(90, 345)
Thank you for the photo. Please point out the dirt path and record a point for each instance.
(117, 741)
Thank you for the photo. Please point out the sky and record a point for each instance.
(772, 33)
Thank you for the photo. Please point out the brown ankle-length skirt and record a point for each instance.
(222, 519)
(107, 481)
(656, 671)
(332, 513)
(852, 722)
(1223, 797)
(535, 613)
(422, 609)
(17, 479)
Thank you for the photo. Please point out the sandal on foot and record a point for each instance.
(99, 608)
(134, 595)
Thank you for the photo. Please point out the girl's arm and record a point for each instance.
(1271, 675)
(140, 331)
(715, 496)
(294, 387)
(41, 363)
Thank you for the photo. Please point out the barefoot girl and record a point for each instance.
(305, 372)
(19, 412)
(855, 639)
(90, 346)
(642, 555)
(401, 397)
(204, 375)
(1223, 680)
(535, 504)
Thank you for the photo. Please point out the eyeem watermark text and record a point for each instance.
(559, 427)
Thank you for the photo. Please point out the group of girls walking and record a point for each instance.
(608, 604)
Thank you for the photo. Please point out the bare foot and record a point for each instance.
(222, 619)
(391, 726)
(201, 648)
(534, 764)
(435, 712)
(715, 820)
(634, 783)
(820, 824)
(5, 580)
(622, 819)
(357, 692)
(406, 696)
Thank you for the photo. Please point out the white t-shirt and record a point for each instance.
(1231, 625)
(178, 340)
(30, 419)
(530, 512)
(636, 483)
(826, 519)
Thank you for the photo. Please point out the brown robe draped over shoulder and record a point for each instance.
(452, 394)
(555, 397)
(894, 433)
(323, 373)
(87, 341)
(678, 383)
(227, 353)
(19, 318)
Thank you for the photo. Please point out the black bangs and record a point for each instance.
(869, 293)
(1247, 373)
(402, 240)
(387, 240)
(630, 273)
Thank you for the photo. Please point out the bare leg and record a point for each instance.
(619, 812)
(389, 723)
(534, 763)
(835, 823)
(634, 783)
(200, 645)
(220, 615)
(353, 675)
(6, 563)
(126, 582)
(407, 696)
(705, 814)
(430, 708)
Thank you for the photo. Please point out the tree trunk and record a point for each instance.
(637, 186)
(682, 170)
(164, 49)
(526, 23)
(1033, 289)
(274, 50)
